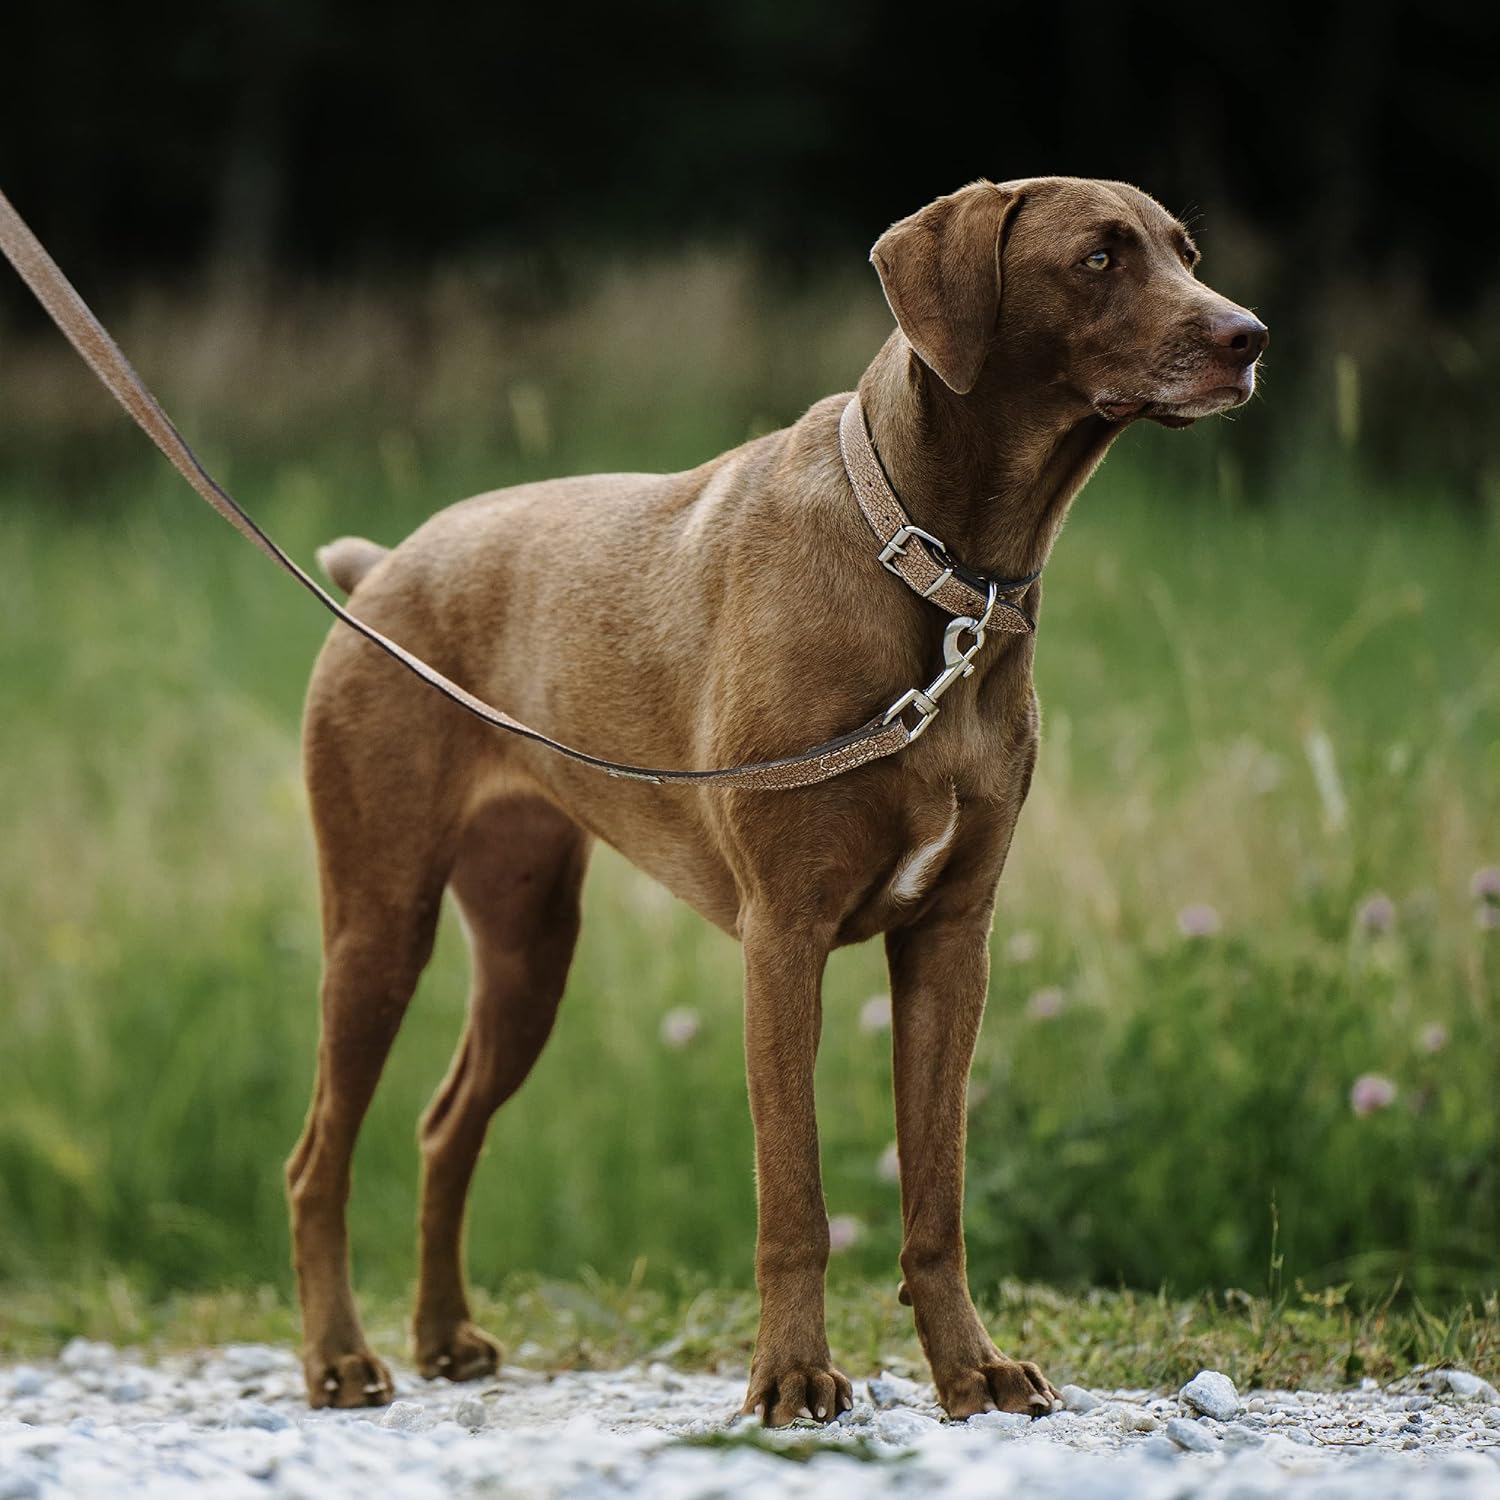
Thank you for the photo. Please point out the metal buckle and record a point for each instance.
(958, 662)
(896, 547)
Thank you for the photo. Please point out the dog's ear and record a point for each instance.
(941, 273)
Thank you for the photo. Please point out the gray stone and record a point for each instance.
(1242, 1435)
(1213, 1394)
(132, 1386)
(85, 1354)
(1076, 1399)
(1278, 1448)
(406, 1416)
(254, 1414)
(1133, 1419)
(1469, 1387)
(1191, 1436)
(1008, 1422)
(250, 1361)
(472, 1413)
(888, 1390)
(1159, 1446)
(902, 1427)
(26, 1380)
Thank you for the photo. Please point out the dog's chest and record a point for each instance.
(931, 827)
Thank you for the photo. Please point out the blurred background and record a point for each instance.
(1243, 1026)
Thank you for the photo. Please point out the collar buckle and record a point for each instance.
(896, 547)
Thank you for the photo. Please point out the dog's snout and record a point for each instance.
(1240, 338)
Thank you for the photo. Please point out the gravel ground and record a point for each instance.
(230, 1422)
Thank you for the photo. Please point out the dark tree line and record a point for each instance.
(318, 131)
(1359, 141)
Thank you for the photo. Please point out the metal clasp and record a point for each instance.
(896, 547)
(958, 662)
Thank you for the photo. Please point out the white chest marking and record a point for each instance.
(914, 871)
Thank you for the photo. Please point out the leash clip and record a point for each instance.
(958, 663)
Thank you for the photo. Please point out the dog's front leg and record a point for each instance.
(791, 1375)
(939, 976)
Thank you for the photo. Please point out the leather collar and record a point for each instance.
(918, 558)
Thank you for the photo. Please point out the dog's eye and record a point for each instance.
(1098, 261)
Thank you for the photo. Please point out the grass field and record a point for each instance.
(1242, 1031)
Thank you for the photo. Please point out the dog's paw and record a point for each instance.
(356, 1379)
(462, 1353)
(997, 1384)
(815, 1392)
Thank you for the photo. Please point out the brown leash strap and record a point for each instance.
(882, 736)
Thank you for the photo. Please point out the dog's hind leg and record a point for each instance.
(386, 841)
(517, 878)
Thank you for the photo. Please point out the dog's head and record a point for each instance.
(1086, 288)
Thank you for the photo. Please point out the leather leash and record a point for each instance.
(971, 599)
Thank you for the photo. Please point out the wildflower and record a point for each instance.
(888, 1168)
(1377, 913)
(680, 1028)
(1022, 947)
(1485, 883)
(1433, 1037)
(1198, 920)
(844, 1231)
(1371, 1092)
(875, 1013)
(1046, 1004)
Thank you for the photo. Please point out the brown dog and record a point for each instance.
(732, 614)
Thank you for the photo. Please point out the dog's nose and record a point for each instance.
(1240, 338)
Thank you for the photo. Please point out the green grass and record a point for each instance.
(1103, 1339)
(1274, 709)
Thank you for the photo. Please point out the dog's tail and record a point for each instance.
(348, 559)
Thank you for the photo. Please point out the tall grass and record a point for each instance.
(1264, 714)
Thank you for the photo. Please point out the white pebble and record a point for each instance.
(254, 1414)
(902, 1427)
(1076, 1399)
(85, 1354)
(1010, 1422)
(27, 1381)
(472, 1413)
(250, 1361)
(888, 1390)
(1191, 1436)
(1469, 1387)
(406, 1416)
(1213, 1394)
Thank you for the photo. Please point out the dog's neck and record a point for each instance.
(991, 473)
